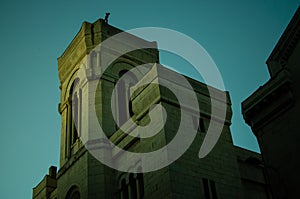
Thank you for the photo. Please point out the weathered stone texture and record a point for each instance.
(220, 174)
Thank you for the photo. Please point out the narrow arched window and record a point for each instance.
(140, 182)
(73, 193)
(133, 187)
(124, 190)
(73, 117)
(124, 103)
(93, 59)
(130, 102)
(122, 110)
(74, 123)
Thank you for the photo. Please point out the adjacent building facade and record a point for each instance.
(226, 172)
(273, 110)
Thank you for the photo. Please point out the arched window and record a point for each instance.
(133, 187)
(130, 102)
(73, 117)
(122, 110)
(93, 59)
(73, 193)
(74, 121)
(140, 182)
(124, 190)
(124, 102)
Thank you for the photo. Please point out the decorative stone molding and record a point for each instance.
(285, 46)
(269, 101)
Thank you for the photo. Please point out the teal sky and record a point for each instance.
(239, 36)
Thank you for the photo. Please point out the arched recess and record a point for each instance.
(124, 103)
(73, 117)
(112, 79)
(73, 193)
(131, 185)
(70, 81)
(75, 110)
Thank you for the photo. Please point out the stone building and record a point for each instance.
(273, 110)
(226, 172)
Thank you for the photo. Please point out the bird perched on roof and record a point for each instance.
(106, 17)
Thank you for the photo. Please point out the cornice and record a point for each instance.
(269, 101)
(285, 46)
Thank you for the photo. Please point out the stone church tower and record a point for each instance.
(227, 172)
